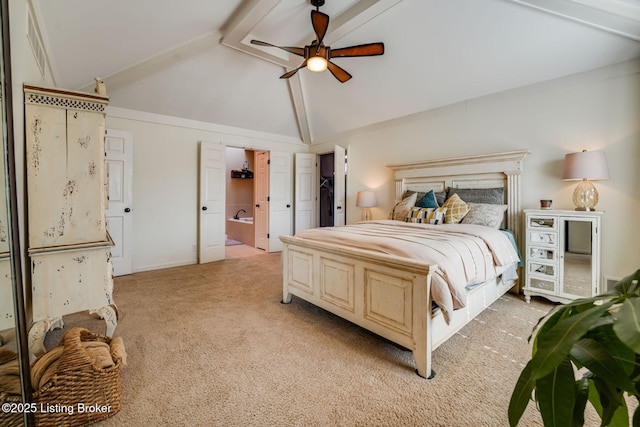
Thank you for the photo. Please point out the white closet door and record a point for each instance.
(339, 186)
(119, 159)
(306, 182)
(280, 198)
(212, 202)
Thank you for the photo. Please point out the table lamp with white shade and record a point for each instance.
(366, 199)
(586, 166)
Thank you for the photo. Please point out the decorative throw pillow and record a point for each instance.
(494, 196)
(428, 201)
(420, 194)
(485, 214)
(456, 209)
(426, 215)
(402, 208)
(441, 196)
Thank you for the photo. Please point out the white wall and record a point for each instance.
(598, 110)
(165, 180)
(24, 70)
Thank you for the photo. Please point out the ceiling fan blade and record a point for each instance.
(371, 49)
(292, 72)
(295, 50)
(320, 22)
(338, 72)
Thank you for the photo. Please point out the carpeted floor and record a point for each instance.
(211, 345)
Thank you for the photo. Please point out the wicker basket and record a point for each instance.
(10, 419)
(79, 393)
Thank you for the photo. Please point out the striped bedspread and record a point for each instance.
(465, 254)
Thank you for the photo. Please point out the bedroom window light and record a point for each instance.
(586, 166)
(366, 199)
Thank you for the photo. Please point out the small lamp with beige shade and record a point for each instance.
(366, 199)
(586, 166)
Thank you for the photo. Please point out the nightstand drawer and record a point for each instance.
(550, 223)
(542, 254)
(545, 285)
(543, 238)
(542, 269)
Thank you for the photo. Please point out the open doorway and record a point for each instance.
(274, 197)
(326, 191)
(240, 203)
(320, 189)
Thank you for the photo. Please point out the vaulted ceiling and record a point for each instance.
(192, 58)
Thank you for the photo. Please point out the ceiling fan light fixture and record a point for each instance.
(317, 56)
(317, 64)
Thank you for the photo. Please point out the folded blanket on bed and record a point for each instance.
(465, 254)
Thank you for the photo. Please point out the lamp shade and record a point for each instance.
(366, 199)
(590, 165)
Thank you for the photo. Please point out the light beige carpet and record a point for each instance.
(211, 345)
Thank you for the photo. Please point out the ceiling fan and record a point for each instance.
(317, 56)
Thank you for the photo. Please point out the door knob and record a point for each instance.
(204, 208)
(339, 207)
(127, 210)
(288, 206)
(257, 206)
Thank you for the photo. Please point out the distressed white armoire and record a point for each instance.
(69, 247)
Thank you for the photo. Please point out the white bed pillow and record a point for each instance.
(402, 208)
(485, 214)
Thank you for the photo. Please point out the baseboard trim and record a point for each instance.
(142, 269)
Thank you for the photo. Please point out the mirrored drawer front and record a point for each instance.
(543, 238)
(541, 222)
(542, 284)
(542, 253)
(543, 269)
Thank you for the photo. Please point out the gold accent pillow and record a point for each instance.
(456, 209)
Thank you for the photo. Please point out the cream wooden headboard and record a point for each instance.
(480, 171)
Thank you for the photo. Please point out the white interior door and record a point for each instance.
(280, 198)
(212, 187)
(119, 214)
(261, 212)
(339, 186)
(306, 182)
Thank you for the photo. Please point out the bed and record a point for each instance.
(390, 292)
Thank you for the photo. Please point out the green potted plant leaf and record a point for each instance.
(585, 351)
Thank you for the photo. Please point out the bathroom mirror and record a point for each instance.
(14, 357)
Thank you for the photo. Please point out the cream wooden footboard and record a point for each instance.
(385, 294)
(390, 295)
